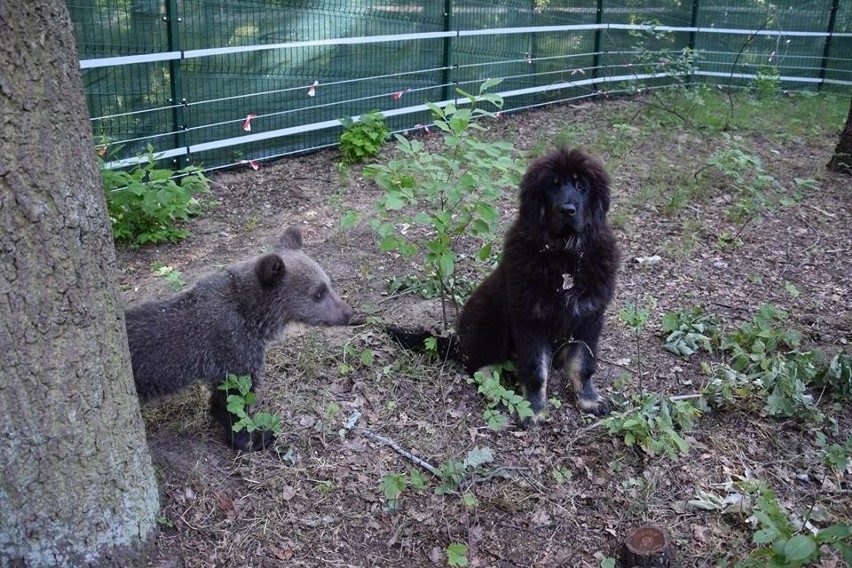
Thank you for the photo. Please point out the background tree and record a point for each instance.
(76, 482)
(842, 159)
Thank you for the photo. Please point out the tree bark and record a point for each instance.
(842, 159)
(77, 486)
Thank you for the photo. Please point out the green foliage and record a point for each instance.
(239, 403)
(834, 455)
(146, 204)
(753, 341)
(451, 477)
(432, 200)
(688, 331)
(754, 189)
(325, 425)
(766, 83)
(837, 377)
(490, 385)
(655, 57)
(165, 521)
(365, 358)
(764, 367)
(170, 275)
(457, 554)
(763, 362)
(363, 139)
(780, 545)
(392, 487)
(453, 472)
(653, 422)
(634, 316)
(561, 475)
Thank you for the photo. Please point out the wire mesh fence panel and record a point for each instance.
(221, 82)
(769, 45)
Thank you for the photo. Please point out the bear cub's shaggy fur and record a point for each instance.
(224, 322)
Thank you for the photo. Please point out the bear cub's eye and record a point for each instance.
(320, 293)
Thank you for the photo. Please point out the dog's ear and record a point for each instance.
(597, 176)
(532, 210)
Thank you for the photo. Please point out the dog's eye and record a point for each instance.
(581, 185)
(555, 182)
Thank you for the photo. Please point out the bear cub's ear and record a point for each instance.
(291, 239)
(270, 269)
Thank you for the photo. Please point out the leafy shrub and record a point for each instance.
(432, 200)
(146, 203)
(363, 139)
(765, 367)
(652, 422)
(837, 377)
(688, 331)
(753, 341)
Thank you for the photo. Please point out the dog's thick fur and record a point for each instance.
(543, 306)
(223, 323)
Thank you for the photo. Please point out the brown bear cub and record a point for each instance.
(224, 322)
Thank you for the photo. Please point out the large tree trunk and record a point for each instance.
(842, 159)
(77, 487)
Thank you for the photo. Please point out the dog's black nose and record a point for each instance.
(568, 209)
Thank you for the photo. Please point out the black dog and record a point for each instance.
(543, 306)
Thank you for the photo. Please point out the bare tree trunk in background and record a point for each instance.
(842, 159)
(77, 487)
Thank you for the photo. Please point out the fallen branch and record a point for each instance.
(398, 449)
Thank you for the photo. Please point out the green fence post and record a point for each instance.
(693, 34)
(447, 75)
(596, 58)
(827, 47)
(173, 21)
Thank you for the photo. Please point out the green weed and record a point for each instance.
(239, 403)
(170, 275)
(780, 544)
(490, 385)
(457, 554)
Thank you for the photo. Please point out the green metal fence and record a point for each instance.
(219, 83)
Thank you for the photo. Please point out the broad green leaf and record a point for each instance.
(800, 547)
(457, 554)
(350, 219)
(478, 456)
(393, 202)
(392, 485)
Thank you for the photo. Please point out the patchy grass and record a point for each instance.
(567, 493)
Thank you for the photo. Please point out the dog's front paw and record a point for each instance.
(596, 405)
(532, 422)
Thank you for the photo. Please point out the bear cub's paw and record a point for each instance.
(252, 441)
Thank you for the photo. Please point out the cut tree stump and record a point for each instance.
(647, 547)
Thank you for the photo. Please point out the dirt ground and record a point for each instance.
(564, 494)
